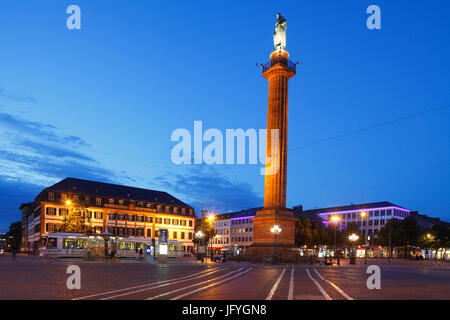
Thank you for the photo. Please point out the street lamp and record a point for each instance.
(365, 215)
(211, 219)
(335, 220)
(276, 231)
(428, 244)
(198, 235)
(68, 202)
(353, 237)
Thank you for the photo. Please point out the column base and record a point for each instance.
(285, 252)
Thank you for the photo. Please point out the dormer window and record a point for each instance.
(121, 202)
(64, 197)
(98, 202)
(111, 201)
(51, 196)
(86, 200)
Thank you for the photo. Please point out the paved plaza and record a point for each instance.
(29, 277)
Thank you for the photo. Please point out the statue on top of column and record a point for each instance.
(279, 36)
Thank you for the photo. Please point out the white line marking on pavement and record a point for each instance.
(275, 286)
(291, 285)
(208, 271)
(334, 286)
(324, 293)
(159, 286)
(193, 285)
(210, 285)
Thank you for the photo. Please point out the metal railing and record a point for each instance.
(287, 63)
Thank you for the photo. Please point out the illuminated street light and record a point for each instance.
(353, 237)
(335, 220)
(276, 230)
(68, 202)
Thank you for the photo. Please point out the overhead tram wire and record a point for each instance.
(381, 124)
(441, 166)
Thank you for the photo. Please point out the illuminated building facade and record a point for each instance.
(379, 213)
(234, 231)
(119, 210)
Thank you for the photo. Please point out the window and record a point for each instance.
(87, 200)
(389, 212)
(64, 197)
(149, 219)
(111, 216)
(190, 223)
(63, 212)
(175, 222)
(98, 215)
(51, 211)
(131, 217)
(120, 217)
(140, 218)
(149, 233)
(51, 196)
(111, 229)
(175, 235)
(166, 221)
(121, 202)
(182, 235)
(190, 235)
(50, 227)
(158, 220)
(130, 231)
(98, 202)
(183, 222)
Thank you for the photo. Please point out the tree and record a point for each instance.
(311, 232)
(351, 228)
(77, 220)
(403, 233)
(14, 235)
(208, 231)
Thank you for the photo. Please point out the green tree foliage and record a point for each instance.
(351, 228)
(403, 233)
(208, 230)
(77, 220)
(14, 235)
(311, 232)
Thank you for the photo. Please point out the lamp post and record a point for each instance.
(276, 231)
(353, 237)
(198, 235)
(428, 244)
(211, 219)
(335, 220)
(365, 215)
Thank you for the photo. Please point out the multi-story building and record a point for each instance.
(120, 210)
(234, 231)
(379, 213)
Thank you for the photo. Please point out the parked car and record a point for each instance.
(2, 252)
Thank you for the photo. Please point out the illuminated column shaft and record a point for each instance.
(277, 118)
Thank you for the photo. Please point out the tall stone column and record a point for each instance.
(278, 72)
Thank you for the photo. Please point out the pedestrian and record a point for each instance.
(137, 254)
(141, 253)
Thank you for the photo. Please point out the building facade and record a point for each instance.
(119, 210)
(379, 213)
(234, 231)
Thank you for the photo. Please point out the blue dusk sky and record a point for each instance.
(102, 102)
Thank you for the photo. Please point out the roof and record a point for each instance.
(351, 207)
(108, 190)
(238, 214)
